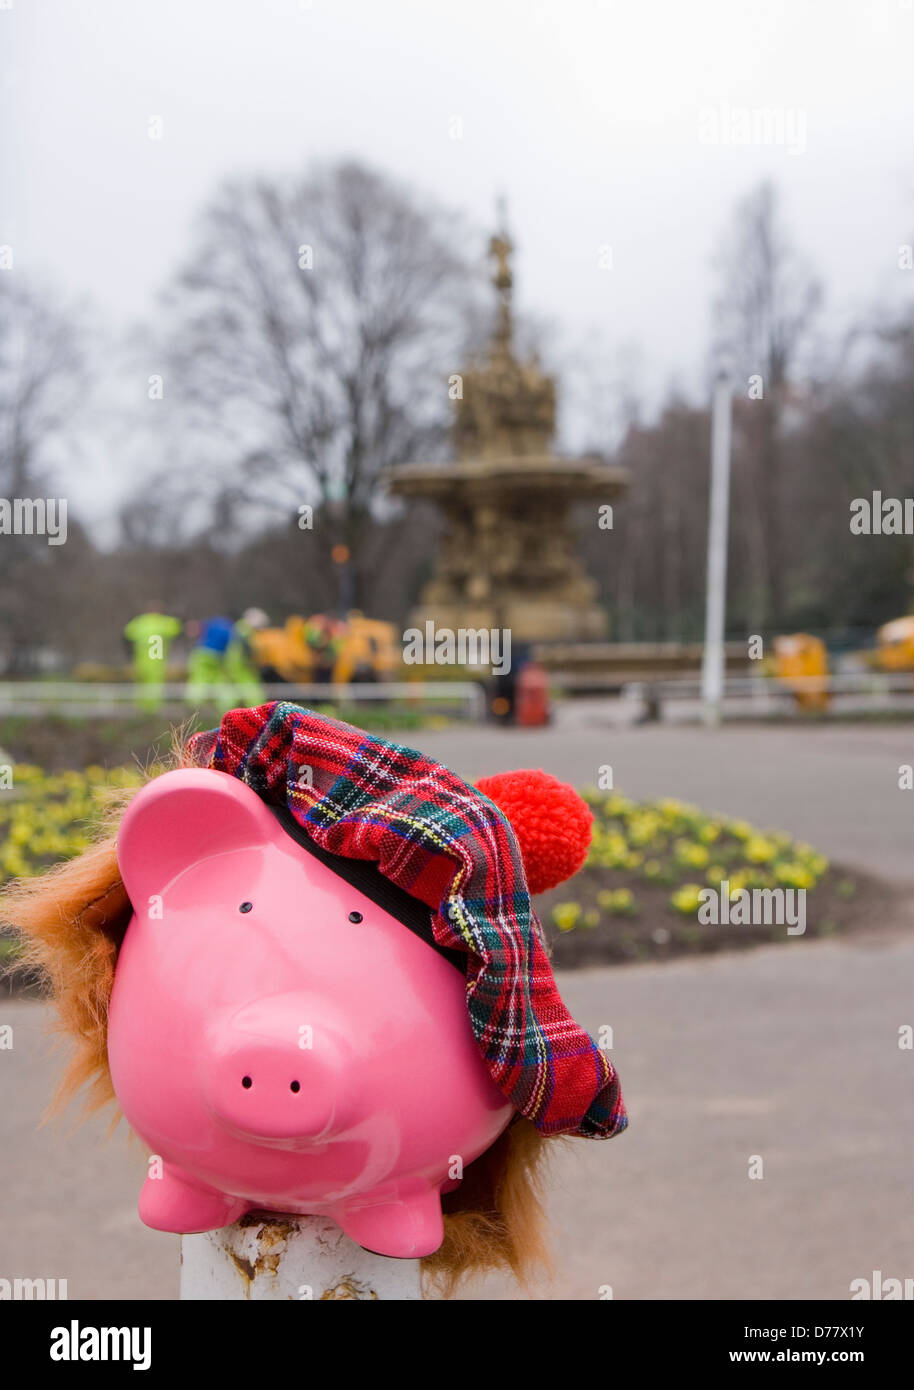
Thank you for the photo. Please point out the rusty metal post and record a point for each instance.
(300, 1258)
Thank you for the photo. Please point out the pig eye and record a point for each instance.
(355, 917)
(245, 907)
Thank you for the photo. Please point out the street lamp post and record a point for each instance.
(712, 668)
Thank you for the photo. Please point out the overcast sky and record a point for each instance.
(591, 115)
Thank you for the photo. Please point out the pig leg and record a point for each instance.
(175, 1203)
(406, 1226)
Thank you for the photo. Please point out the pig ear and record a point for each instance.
(552, 824)
(181, 818)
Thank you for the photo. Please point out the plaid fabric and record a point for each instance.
(448, 845)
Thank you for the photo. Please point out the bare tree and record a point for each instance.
(859, 439)
(652, 575)
(43, 379)
(311, 338)
(764, 315)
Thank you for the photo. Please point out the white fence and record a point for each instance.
(879, 689)
(122, 699)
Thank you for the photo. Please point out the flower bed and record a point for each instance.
(639, 893)
(46, 817)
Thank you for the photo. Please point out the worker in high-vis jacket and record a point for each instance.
(220, 669)
(207, 682)
(151, 634)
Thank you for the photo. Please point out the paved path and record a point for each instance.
(788, 1052)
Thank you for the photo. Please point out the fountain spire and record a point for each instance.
(507, 557)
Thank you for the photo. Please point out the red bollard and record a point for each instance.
(531, 699)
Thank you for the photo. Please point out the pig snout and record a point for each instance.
(280, 1071)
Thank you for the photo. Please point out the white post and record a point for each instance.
(299, 1258)
(712, 667)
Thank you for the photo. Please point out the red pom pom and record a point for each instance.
(552, 823)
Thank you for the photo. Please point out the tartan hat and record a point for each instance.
(448, 845)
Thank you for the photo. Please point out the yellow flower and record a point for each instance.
(643, 827)
(692, 856)
(794, 875)
(27, 772)
(14, 864)
(609, 849)
(566, 915)
(686, 899)
(759, 850)
(620, 901)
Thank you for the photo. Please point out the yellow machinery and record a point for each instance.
(321, 648)
(895, 645)
(368, 651)
(281, 653)
(801, 663)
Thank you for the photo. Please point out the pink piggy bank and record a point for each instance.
(283, 1035)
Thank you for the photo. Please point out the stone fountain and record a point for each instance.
(507, 556)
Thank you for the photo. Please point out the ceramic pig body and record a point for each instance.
(278, 1040)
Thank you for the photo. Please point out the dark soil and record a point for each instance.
(55, 742)
(844, 901)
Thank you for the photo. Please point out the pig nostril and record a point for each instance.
(295, 1086)
(246, 1082)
